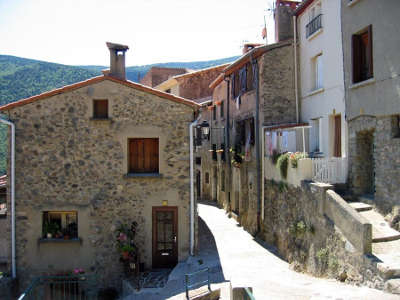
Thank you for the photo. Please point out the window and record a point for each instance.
(221, 109)
(100, 109)
(318, 72)
(315, 20)
(214, 152)
(168, 91)
(143, 155)
(207, 178)
(243, 80)
(362, 55)
(198, 160)
(396, 126)
(60, 225)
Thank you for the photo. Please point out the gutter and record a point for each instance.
(13, 264)
(191, 126)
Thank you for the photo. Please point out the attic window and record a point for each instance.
(100, 109)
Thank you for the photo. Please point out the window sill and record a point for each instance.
(314, 92)
(58, 241)
(351, 3)
(315, 34)
(362, 83)
(143, 175)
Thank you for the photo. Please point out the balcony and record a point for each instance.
(314, 25)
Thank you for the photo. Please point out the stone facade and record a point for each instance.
(67, 161)
(156, 75)
(375, 160)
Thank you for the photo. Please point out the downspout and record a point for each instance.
(227, 144)
(194, 123)
(12, 179)
(257, 136)
(262, 171)
(296, 92)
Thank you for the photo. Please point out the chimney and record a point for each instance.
(117, 60)
(283, 15)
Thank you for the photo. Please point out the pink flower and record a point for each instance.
(122, 237)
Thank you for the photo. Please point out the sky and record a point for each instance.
(74, 32)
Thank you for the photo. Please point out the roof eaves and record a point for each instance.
(302, 7)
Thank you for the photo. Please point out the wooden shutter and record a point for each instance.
(356, 58)
(100, 109)
(143, 155)
(338, 137)
(369, 53)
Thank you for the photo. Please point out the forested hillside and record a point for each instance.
(21, 78)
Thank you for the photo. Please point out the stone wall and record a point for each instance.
(196, 86)
(308, 239)
(380, 175)
(156, 75)
(66, 161)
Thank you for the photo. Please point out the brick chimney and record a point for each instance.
(117, 60)
(283, 15)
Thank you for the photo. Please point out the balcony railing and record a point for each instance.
(314, 25)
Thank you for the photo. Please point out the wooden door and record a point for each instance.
(337, 151)
(165, 236)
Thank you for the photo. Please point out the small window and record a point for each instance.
(221, 109)
(318, 72)
(143, 155)
(362, 55)
(207, 178)
(168, 91)
(60, 225)
(198, 160)
(100, 109)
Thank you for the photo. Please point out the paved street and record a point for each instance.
(247, 263)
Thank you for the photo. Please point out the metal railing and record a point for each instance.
(190, 280)
(314, 25)
(70, 287)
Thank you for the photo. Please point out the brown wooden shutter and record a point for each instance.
(143, 155)
(356, 58)
(338, 137)
(369, 53)
(100, 109)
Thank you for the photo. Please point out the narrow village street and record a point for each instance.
(246, 263)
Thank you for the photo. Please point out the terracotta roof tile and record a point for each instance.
(97, 79)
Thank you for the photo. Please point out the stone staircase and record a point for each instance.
(385, 245)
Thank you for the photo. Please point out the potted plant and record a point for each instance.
(126, 252)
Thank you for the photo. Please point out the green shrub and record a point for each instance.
(282, 164)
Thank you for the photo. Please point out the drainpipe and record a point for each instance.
(262, 170)
(295, 68)
(12, 179)
(191, 126)
(257, 136)
(227, 143)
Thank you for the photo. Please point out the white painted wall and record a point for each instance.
(330, 99)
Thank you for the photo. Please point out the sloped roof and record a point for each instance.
(97, 79)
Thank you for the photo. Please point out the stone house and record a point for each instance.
(192, 85)
(156, 75)
(92, 156)
(371, 76)
(254, 92)
(321, 91)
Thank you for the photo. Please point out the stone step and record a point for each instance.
(393, 286)
(360, 206)
(381, 230)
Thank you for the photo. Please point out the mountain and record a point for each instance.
(21, 78)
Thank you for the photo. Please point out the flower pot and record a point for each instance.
(125, 255)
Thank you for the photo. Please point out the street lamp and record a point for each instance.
(205, 128)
